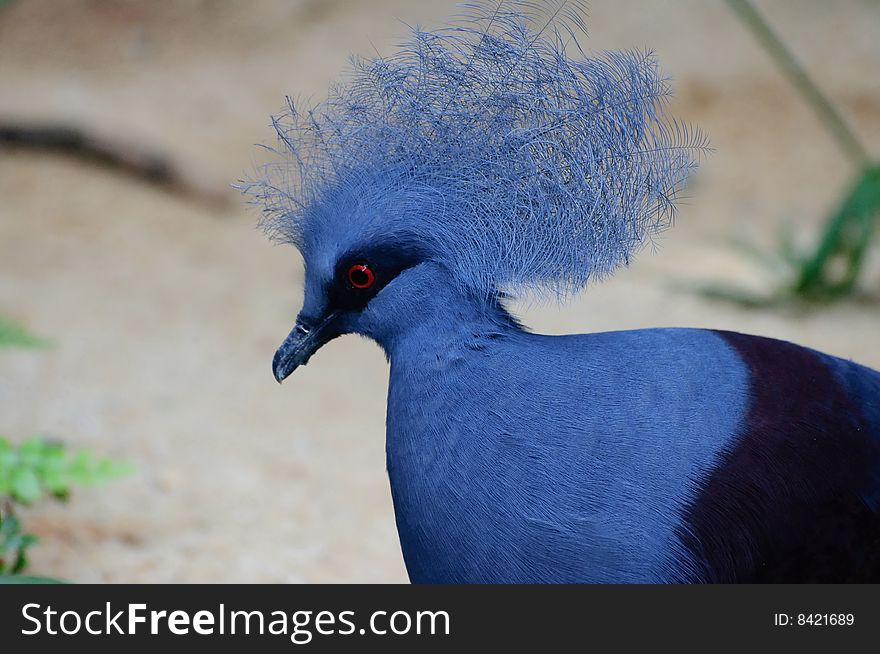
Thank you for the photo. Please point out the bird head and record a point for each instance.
(486, 157)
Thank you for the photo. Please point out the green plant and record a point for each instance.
(825, 274)
(831, 270)
(14, 543)
(14, 335)
(38, 467)
(35, 469)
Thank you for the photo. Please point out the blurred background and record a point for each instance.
(164, 303)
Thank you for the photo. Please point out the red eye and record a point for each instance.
(361, 276)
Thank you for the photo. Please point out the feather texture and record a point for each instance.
(520, 163)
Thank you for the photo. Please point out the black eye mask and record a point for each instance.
(361, 274)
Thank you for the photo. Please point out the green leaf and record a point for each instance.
(14, 335)
(38, 467)
(25, 485)
(21, 561)
(7, 456)
(9, 525)
(13, 545)
(55, 481)
(108, 469)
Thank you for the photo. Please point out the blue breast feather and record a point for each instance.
(564, 459)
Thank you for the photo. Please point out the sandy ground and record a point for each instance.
(166, 313)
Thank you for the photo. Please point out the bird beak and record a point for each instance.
(302, 342)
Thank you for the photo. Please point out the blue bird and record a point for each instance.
(492, 157)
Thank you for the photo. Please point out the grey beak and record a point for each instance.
(302, 342)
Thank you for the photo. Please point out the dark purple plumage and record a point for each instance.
(794, 499)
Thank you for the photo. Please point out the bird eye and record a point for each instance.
(361, 276)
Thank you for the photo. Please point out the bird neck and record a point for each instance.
(436, 318)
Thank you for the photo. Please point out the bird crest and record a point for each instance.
(495, 143)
